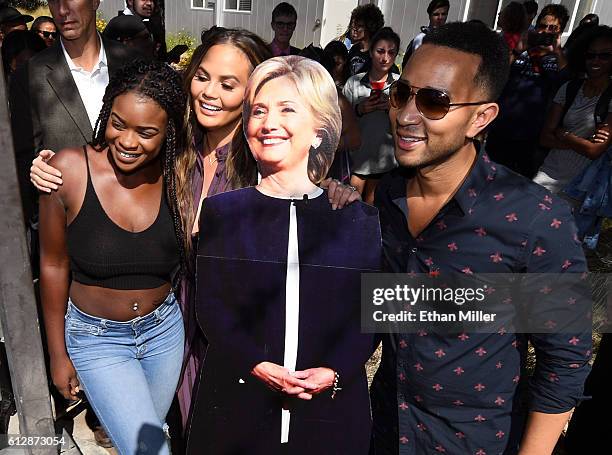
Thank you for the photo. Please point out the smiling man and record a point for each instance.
(140, 8)
(449, 210)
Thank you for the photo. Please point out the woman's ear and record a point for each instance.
(317, 141)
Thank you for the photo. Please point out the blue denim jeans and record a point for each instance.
(129, 372)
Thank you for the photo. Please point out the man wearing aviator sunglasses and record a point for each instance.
(449, 210)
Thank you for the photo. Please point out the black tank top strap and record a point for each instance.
(90, 191)
(86, 159)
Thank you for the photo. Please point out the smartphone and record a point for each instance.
(540, 39)
(376, 92)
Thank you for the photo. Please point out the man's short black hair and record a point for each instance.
(370, 16)
(477, 39)
(555, 10)
(387, 34)
(283, 9)
(435, 4)
(531, 7)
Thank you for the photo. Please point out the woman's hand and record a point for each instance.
(370, 104)
(44, 177)
(280, 379)
(601, 135)
(340, 195)
(322, 378)
(64, 377)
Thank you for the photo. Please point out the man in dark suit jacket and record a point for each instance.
(55, 99)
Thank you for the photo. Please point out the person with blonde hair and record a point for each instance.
(278, 279)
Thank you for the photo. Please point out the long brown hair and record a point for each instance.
(240, 166)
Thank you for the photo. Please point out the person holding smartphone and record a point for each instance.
(369, 95)
(535, 76)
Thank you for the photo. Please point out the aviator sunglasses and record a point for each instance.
(432, 103)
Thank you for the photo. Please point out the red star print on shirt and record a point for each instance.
(481, 351)
(496, 257)
(511, 217)
(481, 232)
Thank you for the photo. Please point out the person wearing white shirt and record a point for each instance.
(90, 84)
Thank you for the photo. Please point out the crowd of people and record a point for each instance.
(202, 232)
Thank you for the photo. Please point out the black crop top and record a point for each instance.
(103, 254)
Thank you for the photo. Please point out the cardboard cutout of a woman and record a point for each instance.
(278, 285)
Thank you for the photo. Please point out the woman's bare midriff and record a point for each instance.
(117, 304)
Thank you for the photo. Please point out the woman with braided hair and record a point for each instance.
(111, 250)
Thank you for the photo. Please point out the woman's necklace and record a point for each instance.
(212, 154)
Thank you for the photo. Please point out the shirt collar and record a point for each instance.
(482, 173)
(127, 12)
(365, 80)
(279, 51)
(99, 63)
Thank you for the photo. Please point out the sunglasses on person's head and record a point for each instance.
(432, 103)
(47, 34)
(599, 55)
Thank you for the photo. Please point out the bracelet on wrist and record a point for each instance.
(335, 388)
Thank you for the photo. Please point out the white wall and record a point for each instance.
(109, 8)
(407, 16)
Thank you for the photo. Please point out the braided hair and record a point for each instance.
(160, 83)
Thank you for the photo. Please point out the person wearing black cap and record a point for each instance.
(132, 32)
(11, 19)
(148, 11)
